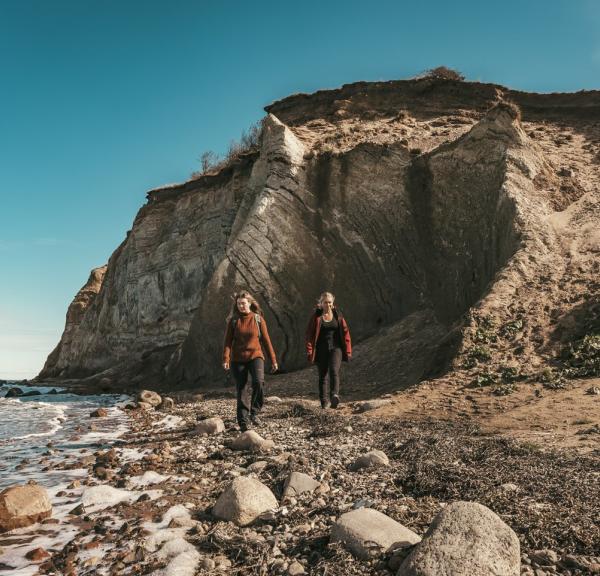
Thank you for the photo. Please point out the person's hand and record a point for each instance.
(274, 368)
(225, 365)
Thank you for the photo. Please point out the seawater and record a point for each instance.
(52, 427)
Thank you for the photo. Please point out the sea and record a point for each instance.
(39, 433)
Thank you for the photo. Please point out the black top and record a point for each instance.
(329, 335)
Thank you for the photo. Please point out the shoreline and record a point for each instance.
(169, 478)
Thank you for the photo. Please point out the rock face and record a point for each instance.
(367, 532)
(465, 538)
(390, 187)
(244, 501)
(22, 506)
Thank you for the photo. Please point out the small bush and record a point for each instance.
(504, 389)
(485, 378)
(582, 358)
(510, 374)
(476, 354)
(510, 329)
(443, 73)
(552, 379)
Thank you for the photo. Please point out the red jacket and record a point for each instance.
(314, 328)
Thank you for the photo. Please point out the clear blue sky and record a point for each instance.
(102, 100)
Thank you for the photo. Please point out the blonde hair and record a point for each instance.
(323, 296)
(254, 306)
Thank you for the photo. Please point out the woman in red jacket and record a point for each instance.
(242, 353)
(327, 344)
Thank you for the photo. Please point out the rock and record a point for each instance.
(144, 406)
(210, 426)
(22, 506)
(37, 555)
(253, 442)
(167, 404)
(508, 487)
(371, 459)
(367, 532)
(257, 466)
(371, 405)
(273, 400)
(244, 500)
(465, 538)
(295, 569)
(13, 393)
(32, 393)
(297, 483)
(207, 564)
(544, 557)
(99, 413)
(149, 397)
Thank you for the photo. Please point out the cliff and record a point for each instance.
(424, 205)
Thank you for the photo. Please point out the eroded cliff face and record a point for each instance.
(410, 201)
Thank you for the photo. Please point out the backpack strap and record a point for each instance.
(257, 319)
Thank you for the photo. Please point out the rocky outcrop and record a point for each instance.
(411, 201)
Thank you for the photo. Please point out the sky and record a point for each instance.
(102, 100)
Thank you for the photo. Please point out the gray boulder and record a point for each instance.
(244, 500)
(371, 459)
(465, 538)
(367, 533)
(371, 405)
(210, 426)
(297, 483)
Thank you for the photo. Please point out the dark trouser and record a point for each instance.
(250, 397)
(329, 363)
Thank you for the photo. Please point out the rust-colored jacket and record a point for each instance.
(242, 341)
(314, 328)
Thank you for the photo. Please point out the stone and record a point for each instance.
(99, 413)
(297, 483)
(210, 426)
(37, 555)
(295, 569)
(167, 404)
(371, 459)
(144, 406)
(273, 400)
(371, 405)
(13, 393)
(149, 397)
(206, 564)
(244, 500)
(544, 557)
(257, 466)
(465, 538)
(367, 533)
(22, 506)
(253, 442)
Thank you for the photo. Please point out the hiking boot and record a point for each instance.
(335, 401)
(255, 420)
(244, 427)
(325, 405)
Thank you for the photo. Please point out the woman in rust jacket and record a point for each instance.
(327, 344)
(242, 353)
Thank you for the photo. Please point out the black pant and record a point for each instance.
(250, 396)
(329, 363)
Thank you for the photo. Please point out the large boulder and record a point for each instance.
(297, 483)
(149, 397)
(210, 426)
(367, 533)
(370, 460)
(244, 500)
(13, 393)
(22, 506)
(253, 442)
(465, 538)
